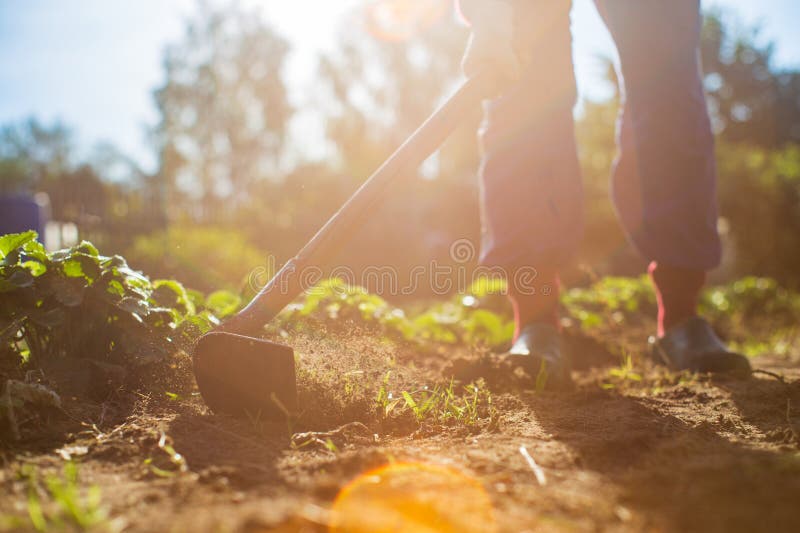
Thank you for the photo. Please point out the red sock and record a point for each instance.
(541, 306)
(677, 292)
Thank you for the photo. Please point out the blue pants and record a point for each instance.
(664, 177)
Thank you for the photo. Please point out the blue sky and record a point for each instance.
(94, 63)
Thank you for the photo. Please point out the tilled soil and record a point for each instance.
(637, 450)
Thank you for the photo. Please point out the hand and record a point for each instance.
(491, 45)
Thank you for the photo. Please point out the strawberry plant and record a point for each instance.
(78, 303)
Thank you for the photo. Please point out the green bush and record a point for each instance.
(204, 258)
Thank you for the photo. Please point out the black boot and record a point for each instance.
(538, 352)
(693, 345)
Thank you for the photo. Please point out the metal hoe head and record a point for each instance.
(241, 375)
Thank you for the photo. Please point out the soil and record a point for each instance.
(646, 450)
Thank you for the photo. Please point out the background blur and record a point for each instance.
(198, 138)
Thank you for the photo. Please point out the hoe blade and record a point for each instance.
(243, 376)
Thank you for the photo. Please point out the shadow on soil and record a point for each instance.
(681, 472)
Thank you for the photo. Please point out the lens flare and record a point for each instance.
(399, 20)
(412, 497)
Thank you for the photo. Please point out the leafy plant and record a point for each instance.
(76, 302)
(450, 322)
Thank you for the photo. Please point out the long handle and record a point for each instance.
(286, 284)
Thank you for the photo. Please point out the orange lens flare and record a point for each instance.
(412, 497)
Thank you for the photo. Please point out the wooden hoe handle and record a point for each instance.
(286, 284)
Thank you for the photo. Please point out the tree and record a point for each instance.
(32, 153)
(749, 100)
(223, 109)
(384, 81)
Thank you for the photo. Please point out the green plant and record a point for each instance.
(385, 399)
(611, 298)
(444, 405)
(624, 372)
(76, 302)
(448, 322)
(541, 377)
(66, 503)
(176, 462)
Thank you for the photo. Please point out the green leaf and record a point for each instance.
(196, 325)
(12, 278)
(541, 377)
(133, 305)
(87, 248)
(170, 293)
(410, 401)
(73, 269)
(12, 241)
(223, 303)
(161, 317)
(35, 250)
(115, 287)
(82, 265)
(196, 297)
(36, 268)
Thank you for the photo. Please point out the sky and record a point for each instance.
(94, 63)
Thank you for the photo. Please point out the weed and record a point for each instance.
(330, 446)
(66, 504)
(541, 377)
(625, 370)
(443, 405)
(385, 399)
(624, 373)
(176, 460)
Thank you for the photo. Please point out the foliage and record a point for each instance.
(79, 303)
(759, 195)
(368, 80)
(205, 258)
(750, 101)
(609, 299)
(32, 153)
(453, 321)
(761, 304)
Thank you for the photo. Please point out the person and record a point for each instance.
(663, 180)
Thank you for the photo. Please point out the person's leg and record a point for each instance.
(664, 179)
(530, 179)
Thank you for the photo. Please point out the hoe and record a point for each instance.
(239, 374)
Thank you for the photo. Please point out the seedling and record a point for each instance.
(624, 372)
(67, 504)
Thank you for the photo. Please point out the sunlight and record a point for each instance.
(398, 20)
